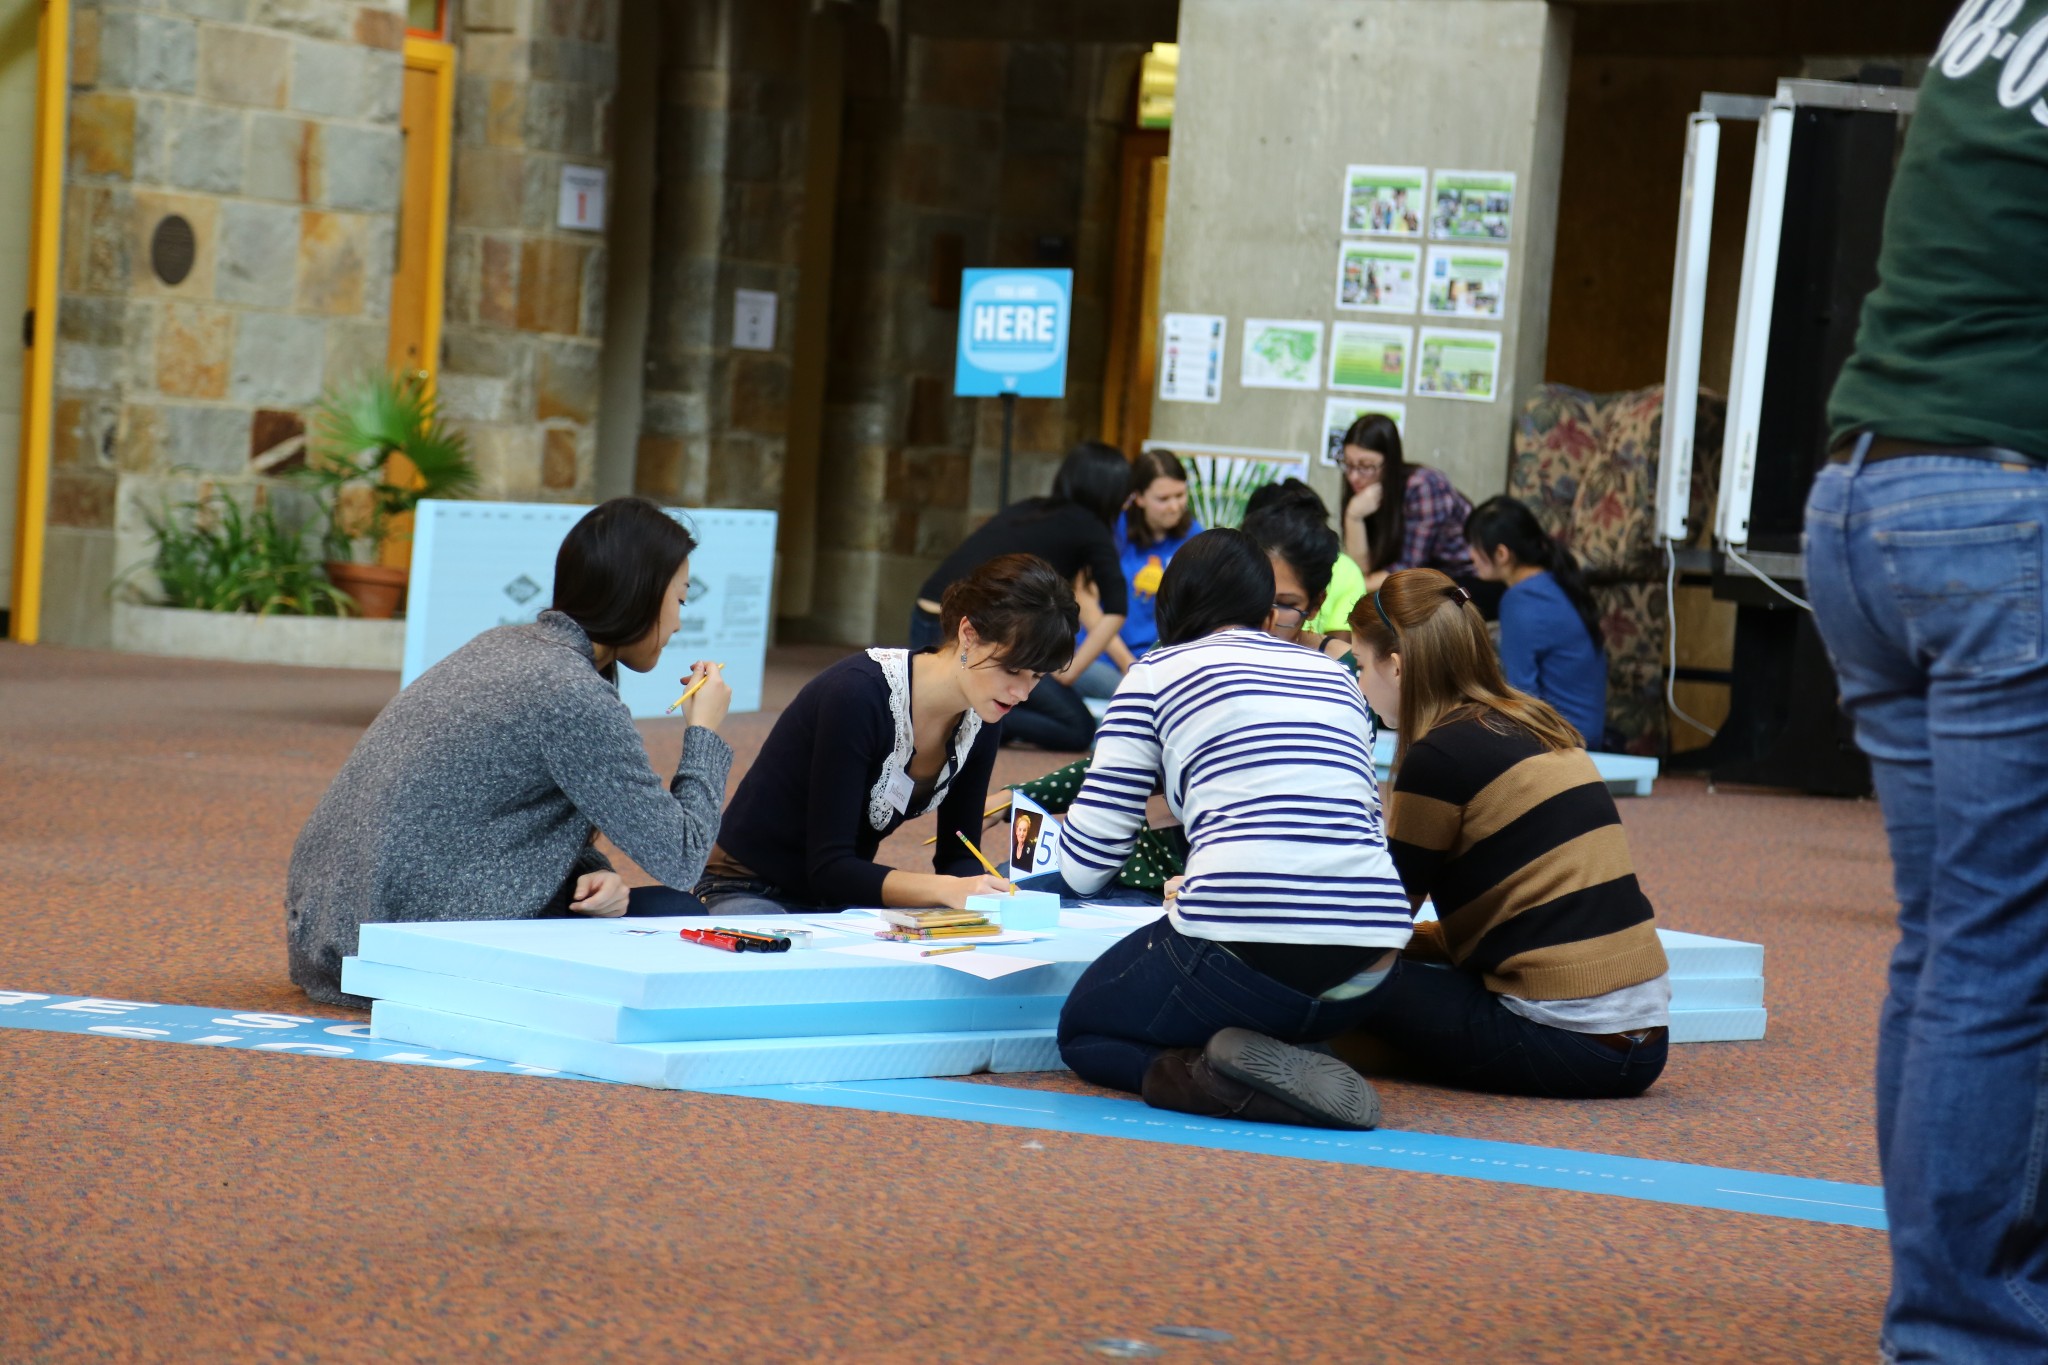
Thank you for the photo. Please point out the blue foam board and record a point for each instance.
(644, 964)
(699, 1065)
(605, 1021)
(1717, 1026)
(1694, 955)
(1717, 992)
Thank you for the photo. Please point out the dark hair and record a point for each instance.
(1383, 529)
(1095, 475)
(1504, 521)
(1285, 493)
(1220, 578)
(1019, 604)
(614, 568)
(1301, 535)
(1151, 465)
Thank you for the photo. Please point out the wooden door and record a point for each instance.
(1131, 368)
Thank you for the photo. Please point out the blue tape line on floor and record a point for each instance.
(1553, 1168)
(1668, 1182)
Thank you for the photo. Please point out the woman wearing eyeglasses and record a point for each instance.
(1399, 515)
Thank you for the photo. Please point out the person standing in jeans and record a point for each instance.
(1924, 561)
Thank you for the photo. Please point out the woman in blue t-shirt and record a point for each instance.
(1550, 645)
(1156, 523)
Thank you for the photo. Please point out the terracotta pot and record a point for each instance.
(379, 592)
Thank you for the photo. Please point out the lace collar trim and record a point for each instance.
(895, 666)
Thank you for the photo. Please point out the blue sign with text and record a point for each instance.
(1013, 333)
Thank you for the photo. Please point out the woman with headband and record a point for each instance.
(1556, 984)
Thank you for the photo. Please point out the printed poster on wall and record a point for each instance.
(1472, 205)
(1384, 200)
(1191, 358)
(1378, 277)
(1466, 282)
(1340, 413)
(1221, 479)
(1282, 354)
(1458, 364)
(1370, 357)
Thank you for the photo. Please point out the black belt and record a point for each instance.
(1891, 448)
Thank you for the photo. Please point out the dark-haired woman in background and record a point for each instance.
(1155, 525)
(475, 793)
(1297, 538)
(1550, 644)
(1399, 515)
(1343, 585)
(1284, 921)
(1070, 530)
(882, 737)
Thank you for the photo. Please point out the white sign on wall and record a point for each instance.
(478, 565)
(582, 204)
(753, 320)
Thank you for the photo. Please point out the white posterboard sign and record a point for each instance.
(1034, 838)
(582, 199)
(478, 565)
(753, 319)
(1191, 357)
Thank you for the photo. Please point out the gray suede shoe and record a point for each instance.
(1320, 1086)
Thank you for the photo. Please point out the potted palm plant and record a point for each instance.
(375, 448)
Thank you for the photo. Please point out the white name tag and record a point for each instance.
(901, 789)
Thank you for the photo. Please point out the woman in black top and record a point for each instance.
(883, 737)
(1070, 530)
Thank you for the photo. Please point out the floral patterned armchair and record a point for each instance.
(1586, 464)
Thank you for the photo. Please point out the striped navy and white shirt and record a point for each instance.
(1264, 751)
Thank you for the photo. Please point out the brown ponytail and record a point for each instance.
(1448, 664)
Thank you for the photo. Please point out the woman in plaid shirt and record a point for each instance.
(1399, 515)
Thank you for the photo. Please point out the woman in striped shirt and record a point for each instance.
(1290, 907)
(1543, 974)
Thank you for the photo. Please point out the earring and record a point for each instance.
(963, 658)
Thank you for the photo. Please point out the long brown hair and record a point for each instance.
(1148, 466)
(1448, 666)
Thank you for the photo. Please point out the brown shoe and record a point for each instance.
(1185, 1081)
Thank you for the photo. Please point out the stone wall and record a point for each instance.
(271, 128)
(960, 151)
(525, 301)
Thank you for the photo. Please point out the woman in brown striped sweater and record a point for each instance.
(1543, 974)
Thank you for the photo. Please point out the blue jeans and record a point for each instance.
(1158, 989)
(750, 896)
(1099, 680)
(1927, 580)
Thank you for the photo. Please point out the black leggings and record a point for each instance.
(1445, 1027)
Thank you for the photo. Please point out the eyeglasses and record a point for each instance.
(1288, 618)
(1371, 469)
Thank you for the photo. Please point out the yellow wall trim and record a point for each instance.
(431, 54)
(53, 67)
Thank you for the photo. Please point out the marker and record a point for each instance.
(940, 952)
(982, 858)
(689, 692)
(751, 942)
(711, 938)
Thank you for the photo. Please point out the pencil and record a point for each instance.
(1002, 805)
(981, 857)
(689, 692)
(958, 948)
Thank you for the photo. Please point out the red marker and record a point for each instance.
(711, 938)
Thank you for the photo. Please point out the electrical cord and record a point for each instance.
(1671, 639)
(1735, 556)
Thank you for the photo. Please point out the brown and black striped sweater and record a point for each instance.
(1522, 850)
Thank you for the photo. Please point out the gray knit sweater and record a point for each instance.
(474, 795)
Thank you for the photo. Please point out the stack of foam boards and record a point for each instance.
(1717, 988)
(631, 1000)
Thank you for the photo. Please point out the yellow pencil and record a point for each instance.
(689, 692)
(981, 857)
(937, 952)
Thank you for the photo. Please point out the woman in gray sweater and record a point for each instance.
(475, 794)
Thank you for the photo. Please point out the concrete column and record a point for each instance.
(1274, 100)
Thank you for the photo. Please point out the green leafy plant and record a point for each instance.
(356, 430)
(212, 555)
(1220, 486)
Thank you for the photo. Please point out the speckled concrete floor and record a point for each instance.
(176, 1204)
